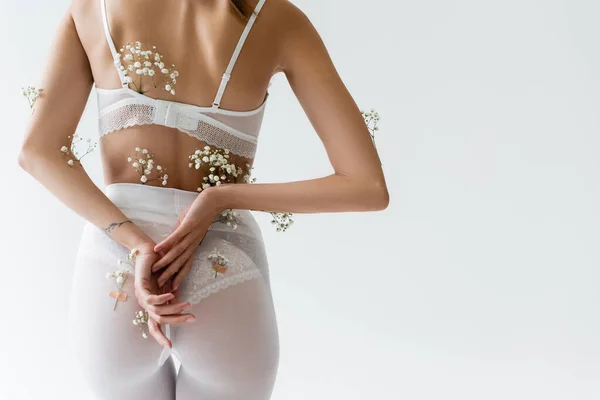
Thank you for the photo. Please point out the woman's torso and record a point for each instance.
(199, 38)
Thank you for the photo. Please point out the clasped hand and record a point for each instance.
(177, 250)
(155, 293)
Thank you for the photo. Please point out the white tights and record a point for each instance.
(231, 351)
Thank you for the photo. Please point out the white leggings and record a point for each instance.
(231, 351)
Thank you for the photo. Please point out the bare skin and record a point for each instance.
(199, 38)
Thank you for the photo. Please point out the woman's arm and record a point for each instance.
(65, 88)
(358, 183)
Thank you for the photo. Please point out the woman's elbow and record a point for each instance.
(376, 197)
(28, 157)
(381, 197)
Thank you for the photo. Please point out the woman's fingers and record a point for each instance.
(169, 309)
(182, 273)
(177, 263)
(173, 253)
(176, 236)
(158, 334)
(154, 299)
(173, 320)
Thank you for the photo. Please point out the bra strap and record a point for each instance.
(113, 50)
(236, 54)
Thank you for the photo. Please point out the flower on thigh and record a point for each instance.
(120, 276)
(141, 320)
(219, 262)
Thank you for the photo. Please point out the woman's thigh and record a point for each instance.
(231, 351)
(116, 360)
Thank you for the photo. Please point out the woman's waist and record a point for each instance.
(163, 207)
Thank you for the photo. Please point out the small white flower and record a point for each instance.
(128, 57)
(70, 162)
(164, 71)
(168, 88)
(145, 151)
(173, 92)
(137, 149)
(64, 149)
(120, 279)
(129, 79)
(135, 164)
(151, 72)
(158, 167)
(144, 179)
(164, 183)
(165, 176)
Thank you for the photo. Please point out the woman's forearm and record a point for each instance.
(333, 193)
(73, 187)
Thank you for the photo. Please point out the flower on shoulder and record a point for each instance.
(73, 151)
(138, 63)
(219, 262)
(143, 163)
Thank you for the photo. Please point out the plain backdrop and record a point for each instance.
(480, 281)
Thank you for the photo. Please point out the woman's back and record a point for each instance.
(194, 42)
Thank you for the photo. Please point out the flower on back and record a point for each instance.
(140, 64)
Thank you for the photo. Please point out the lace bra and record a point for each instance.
(234, 130)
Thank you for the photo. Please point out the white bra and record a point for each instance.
(234, 130)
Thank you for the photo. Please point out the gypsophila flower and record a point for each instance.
(248, 177)
(372, 120)
(216, 166)
(141, 320)
(31, 93)
(120, 276)
(282, 221)
(219, 262)
(144, 166)
(229, 218)
(72, 153)
(145, 63)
